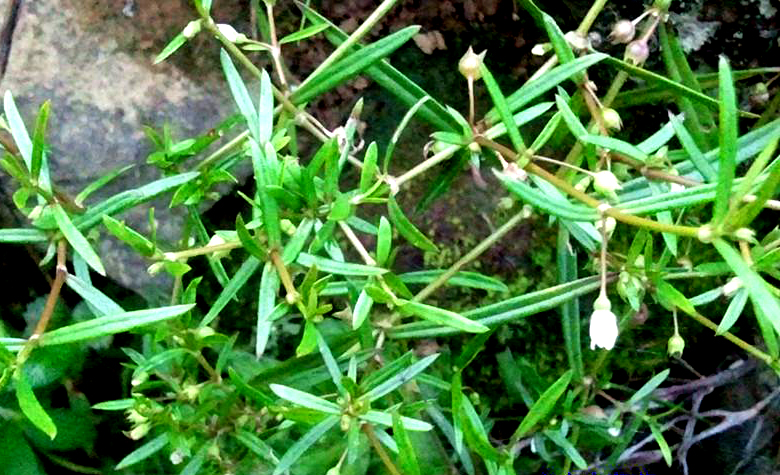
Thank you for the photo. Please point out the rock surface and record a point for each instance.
(93, 60)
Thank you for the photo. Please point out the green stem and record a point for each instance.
(588, 200)
(587, 22)
(470, 256)
(224, 150)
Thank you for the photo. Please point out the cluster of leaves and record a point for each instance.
(355, 398)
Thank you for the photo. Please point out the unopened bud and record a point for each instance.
(637, 52)
(732, 286)
(541, 49)
(577, 40)
(745, 234)
(606, 183)
(192, 29)
(470, 63)
(231, 34)
(217, 240)
(607, 224)
(622, 32)
(611, 118)
(287, 227)
(139, 431)
(675, 345)
(705, 234)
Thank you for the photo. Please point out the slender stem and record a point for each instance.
(470, 81)
(734, 339)
(353, 239)
(590, 17)
(356, 36)
(284, 276)
(224, 150)
(51, 302)
(209, 369)
(369, 431)
(427, 164)
(275, 50)
(199, 251)
(470, 256)
(588, 200)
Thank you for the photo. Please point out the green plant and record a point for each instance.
(353, 396)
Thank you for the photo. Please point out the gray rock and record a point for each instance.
(93, 60)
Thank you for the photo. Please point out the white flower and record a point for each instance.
(603, 324)
(606, 183)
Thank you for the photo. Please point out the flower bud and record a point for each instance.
(594, 38)
(745, 234)
(637, 52)
(139, 431)
(192, 29)
(732, 286)
(705, 234)
(675, 345)
(470, 63)
(217, 240)
(583, 184)
(606, 183)
(578, 41)
(231, 34)
(287, 227)
(611, 119)
(541, 49)
(135, 417)
(622, 32)
(608, 224)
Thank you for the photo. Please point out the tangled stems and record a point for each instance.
(608, 210)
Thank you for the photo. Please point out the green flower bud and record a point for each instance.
(611, 118)
(606, 183)
(675, 345)
(470, 63)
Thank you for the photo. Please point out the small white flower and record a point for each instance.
(603, 324)
(192, 29)
(606, 183)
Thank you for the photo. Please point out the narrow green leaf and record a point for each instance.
(336, 267)
(407, 229)
(555, 206)
(22, 236)
(351, 65)
(143, 452)
(76, 239)
(442, 317)
(403, 376)
(38, 140)
(196, 462)
(615, 145)
(765, 304)
(744, 216)
(568, 448)
(648, 387)
(302, 445)
(257, 446)
(330, 363)
(266, 303)
(99, 301)
(543, 406)
(240, 94)
(116, 405)
(474, 280)
(696, 156)
(265, 109)
(368, 172)
(110, 325)
(304, 33)
(386, 419)
(362, 309)
(503, 109)
(172, 46)
(249, 242)
(129, 236)
(399, 130)
(733, 311)
(574, 124)
(18, 130)
(407, 457)
(242, 275)
(661, 441)
(305, 399)
(570, 311)
(384, 241)
(672, 298)
(533, 89)
(30, 406)
(727, 155)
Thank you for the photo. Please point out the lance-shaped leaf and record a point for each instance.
(543, 406)
(304, 443)
(76, 239)
(143, 452)
(31, 407)
(442, 317)
(305, 399)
